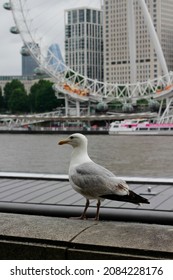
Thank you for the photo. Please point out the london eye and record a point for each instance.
(41, 25)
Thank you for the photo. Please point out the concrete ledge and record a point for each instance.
(38, 237)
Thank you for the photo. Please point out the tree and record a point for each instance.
(18, 101)
(1, 100)
(9, 88)
(115, 105)
(142, 101)
(42, 97)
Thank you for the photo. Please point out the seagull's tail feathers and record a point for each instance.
(132, 197)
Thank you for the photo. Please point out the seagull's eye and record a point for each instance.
(71, 137)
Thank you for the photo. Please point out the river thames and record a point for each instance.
(146, 156)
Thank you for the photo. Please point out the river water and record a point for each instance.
(146, 156)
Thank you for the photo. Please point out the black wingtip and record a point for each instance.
(132, 197)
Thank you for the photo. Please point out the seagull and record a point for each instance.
(92, 180)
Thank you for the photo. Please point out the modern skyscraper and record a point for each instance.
(84, 41)
(117, 67)
(28, 62)
(54, 56)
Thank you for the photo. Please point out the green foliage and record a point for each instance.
(9, 88)
(115, 105)
(18, 101)
(42, 97)
(142, 101)
(1, 100)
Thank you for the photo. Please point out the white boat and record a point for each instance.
(140, 127)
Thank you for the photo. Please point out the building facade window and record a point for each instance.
(84, 42)
(116, 49)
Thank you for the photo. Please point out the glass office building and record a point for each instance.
(116, 40)
(28, 62)
(54, 58)
(84, 41)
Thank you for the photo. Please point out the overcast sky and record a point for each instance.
(10, 44)
(10, 60)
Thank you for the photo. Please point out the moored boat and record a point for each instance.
(140, 127)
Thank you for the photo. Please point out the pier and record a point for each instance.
(34, 218)
(32, 123)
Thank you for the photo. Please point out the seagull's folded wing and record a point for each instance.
(95, 181)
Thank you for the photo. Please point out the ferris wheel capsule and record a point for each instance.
(24, 51)
(14, 30)
(39, 71)
(7, 6)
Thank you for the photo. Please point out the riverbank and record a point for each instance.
(52, 131)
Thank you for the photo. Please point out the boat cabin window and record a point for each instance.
(164, 128)
(115, 126)
(142, 128)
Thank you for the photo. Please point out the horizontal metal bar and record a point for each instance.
(49, 176)
(114, 214)
(39, 176)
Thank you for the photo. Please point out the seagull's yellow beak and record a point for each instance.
(63, 141)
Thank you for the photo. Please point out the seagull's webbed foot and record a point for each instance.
(83, 216)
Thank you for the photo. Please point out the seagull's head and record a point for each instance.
(75, 140)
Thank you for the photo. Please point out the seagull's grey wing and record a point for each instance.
(91, 168)
(93, 180)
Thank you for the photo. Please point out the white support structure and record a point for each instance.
(153, 36)
(66, 105)
(132, 39)
(77, 108)
(165, 114)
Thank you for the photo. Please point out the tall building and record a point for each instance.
(117, 67)
(28, 62)
(84, 41)
(54, 56)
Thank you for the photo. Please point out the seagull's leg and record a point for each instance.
(83, 216)
(97, 212)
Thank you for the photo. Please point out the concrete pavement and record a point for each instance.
(39, 237)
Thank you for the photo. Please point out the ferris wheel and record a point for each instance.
(41, 25)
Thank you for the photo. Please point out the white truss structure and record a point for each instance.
(17, 121)
(165, 114)
(83, 89)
